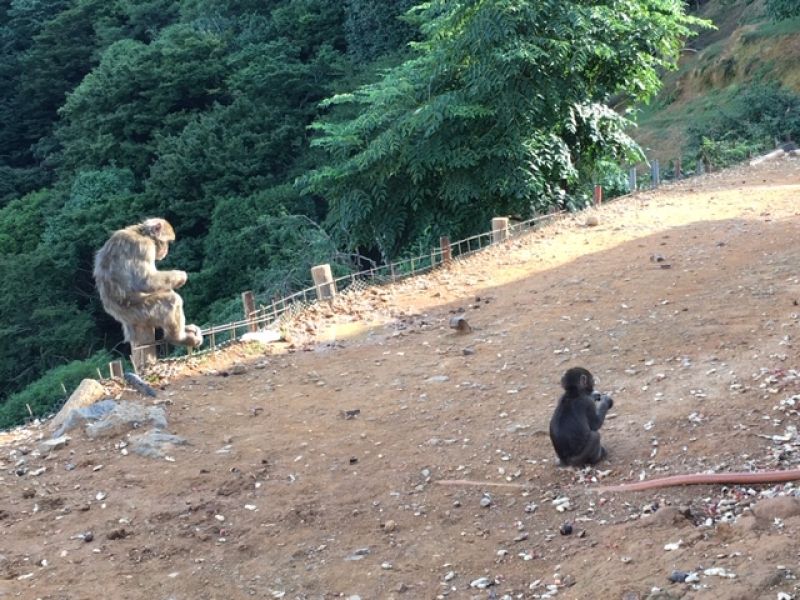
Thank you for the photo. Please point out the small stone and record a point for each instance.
(117, 534)
(460, 324)
(468, 351)
(238, 369)
(389, 526)
(592, 221)
(486, 502)
(88, 536)
(565, 529)
(481, 583)
(678, 576)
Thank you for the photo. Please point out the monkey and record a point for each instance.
(575, 424)
(134, 292)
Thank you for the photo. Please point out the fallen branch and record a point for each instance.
(703, 478)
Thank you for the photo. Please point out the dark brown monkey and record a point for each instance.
(575, 425)
(134, 292)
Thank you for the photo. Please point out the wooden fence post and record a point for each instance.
(115, 369)
(598, 194)
(655, 174)
(499, 229)
(678, 173)
(447, 255)
(323, 282)
(143, 346)
(249, 303)
(632, 179)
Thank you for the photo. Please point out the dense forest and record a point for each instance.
(278, 134)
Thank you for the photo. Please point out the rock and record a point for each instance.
(238, 369)
(481, 583)
(54, 444)
(486, 501)
(155, 443)
(92, 412)
(139, 384)
(118, 534)
(565, 529)
(86, 394)
(592, 221)
(678, 576)
(460, 324)
(667, 516)
(437, 379)
(389, 526)
(781, 507)
(265, 336)
(468, 351)
(358, 554)
(126, 416)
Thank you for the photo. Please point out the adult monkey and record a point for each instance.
(137, 294)
(575, 425)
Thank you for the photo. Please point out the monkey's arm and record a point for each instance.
(162, 281)
(597, 413)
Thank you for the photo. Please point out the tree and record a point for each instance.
(783, 9)
(503, 100)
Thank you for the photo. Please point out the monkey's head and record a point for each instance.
(578, 380)
(161, 232)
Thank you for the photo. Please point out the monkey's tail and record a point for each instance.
(742, 478)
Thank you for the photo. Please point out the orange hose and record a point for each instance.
(703, 478)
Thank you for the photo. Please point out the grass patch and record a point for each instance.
(46, 395)
(772, 29)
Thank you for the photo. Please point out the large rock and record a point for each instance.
(155, 443)
(87, 393)
(126, 416)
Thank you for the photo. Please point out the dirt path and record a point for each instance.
(280, 496)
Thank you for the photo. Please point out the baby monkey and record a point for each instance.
(575, 424)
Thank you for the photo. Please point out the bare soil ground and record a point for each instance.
(280, 495)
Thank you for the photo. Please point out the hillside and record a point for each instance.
(279, 495)
(746, 49)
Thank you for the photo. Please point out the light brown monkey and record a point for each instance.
(134, 292)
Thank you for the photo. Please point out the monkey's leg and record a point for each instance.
(165, 310)
(592, 453)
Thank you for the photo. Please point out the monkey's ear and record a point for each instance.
(153, 226)
(584, 382)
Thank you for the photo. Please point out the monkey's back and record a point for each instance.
(569, 427)
(121, 267)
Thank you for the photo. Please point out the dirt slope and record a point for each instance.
(280, 496)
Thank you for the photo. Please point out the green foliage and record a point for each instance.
(199, 111)
(46, 395)
(374, 28)
(262, 245)
(503, 100)
(783, 9)
(750, 123)
(137, 92)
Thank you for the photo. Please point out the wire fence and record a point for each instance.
(274, 315)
